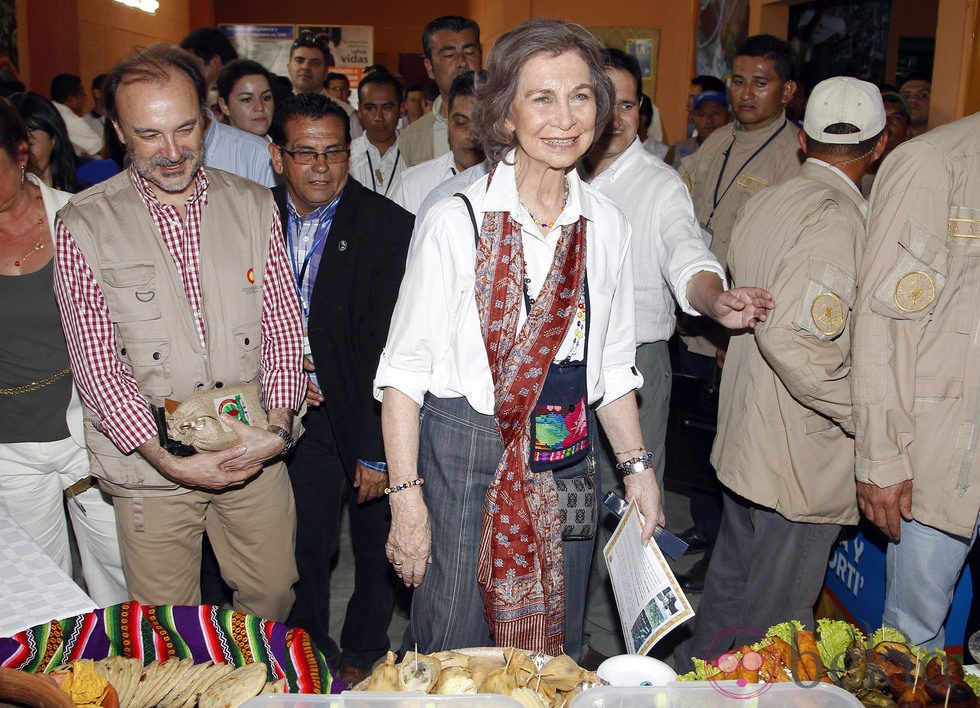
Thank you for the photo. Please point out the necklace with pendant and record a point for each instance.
(39, 246)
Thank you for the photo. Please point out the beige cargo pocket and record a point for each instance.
(149, 363)
(247, 340)
(130, 292)
(915, 282)
(827, 301)
(128, 471)
(937, 388)
(963, 241)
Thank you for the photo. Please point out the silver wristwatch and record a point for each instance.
(286, 436)
(636, 464)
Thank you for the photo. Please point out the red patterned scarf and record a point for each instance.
(521, 567)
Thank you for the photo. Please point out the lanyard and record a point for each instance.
(300, 271)
(374, 185)
(728, 152)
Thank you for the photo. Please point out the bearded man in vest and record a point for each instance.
(172, 280)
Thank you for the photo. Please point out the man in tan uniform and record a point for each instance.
(782, 449)
(758, 149)
(452, 46)
(915, 378)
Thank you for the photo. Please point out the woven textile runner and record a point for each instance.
(520, 567)
(162, 632)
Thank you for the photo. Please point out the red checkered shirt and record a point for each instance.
(105, 384)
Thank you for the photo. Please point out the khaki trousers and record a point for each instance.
(252, 530)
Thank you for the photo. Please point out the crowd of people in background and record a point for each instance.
(416, 289)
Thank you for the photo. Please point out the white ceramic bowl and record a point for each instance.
(633, 670)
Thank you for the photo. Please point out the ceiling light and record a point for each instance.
(149, 6)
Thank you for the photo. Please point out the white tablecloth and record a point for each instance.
(32, 588)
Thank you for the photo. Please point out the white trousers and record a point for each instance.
(33, 477)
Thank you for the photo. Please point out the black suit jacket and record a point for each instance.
(353, 297)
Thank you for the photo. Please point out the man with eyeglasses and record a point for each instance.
(451, 45)
(670, 261)
(917, 92)
(375, 156)
(347, 247)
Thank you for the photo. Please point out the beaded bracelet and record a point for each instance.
(417, 482)
(632, 449)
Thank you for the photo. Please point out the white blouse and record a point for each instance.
(435, 343)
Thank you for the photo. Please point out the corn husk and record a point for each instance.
(481, 667)
(519, 665)
(562, 672)
(385, 676)
(451, 659)
(418, 672)
(499, 681)
(547, 690)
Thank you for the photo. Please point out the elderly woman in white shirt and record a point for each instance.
(514, 330)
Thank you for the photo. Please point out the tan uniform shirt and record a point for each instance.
(425, 139)
(785, 397)
(707, 171)
(917, 327)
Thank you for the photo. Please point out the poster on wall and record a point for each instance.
(349, 48)
(267, 44)
(722, 25)
(640, 42)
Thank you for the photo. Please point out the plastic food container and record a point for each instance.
(364, 699)
(712, 694)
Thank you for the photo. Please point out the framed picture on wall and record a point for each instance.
(640, 42)
(642, 51)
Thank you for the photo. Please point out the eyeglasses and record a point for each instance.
(309, 157)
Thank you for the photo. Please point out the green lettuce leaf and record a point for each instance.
(835, 637)
(785, 630)
(973, 682)
(887, 634)
(702, 670)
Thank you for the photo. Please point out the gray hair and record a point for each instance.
(495, 95)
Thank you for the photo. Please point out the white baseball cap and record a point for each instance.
(844, 99)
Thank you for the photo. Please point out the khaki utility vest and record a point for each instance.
(156, 335)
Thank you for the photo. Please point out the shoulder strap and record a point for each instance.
(469, 208)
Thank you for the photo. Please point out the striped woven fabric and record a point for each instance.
(161, 632)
